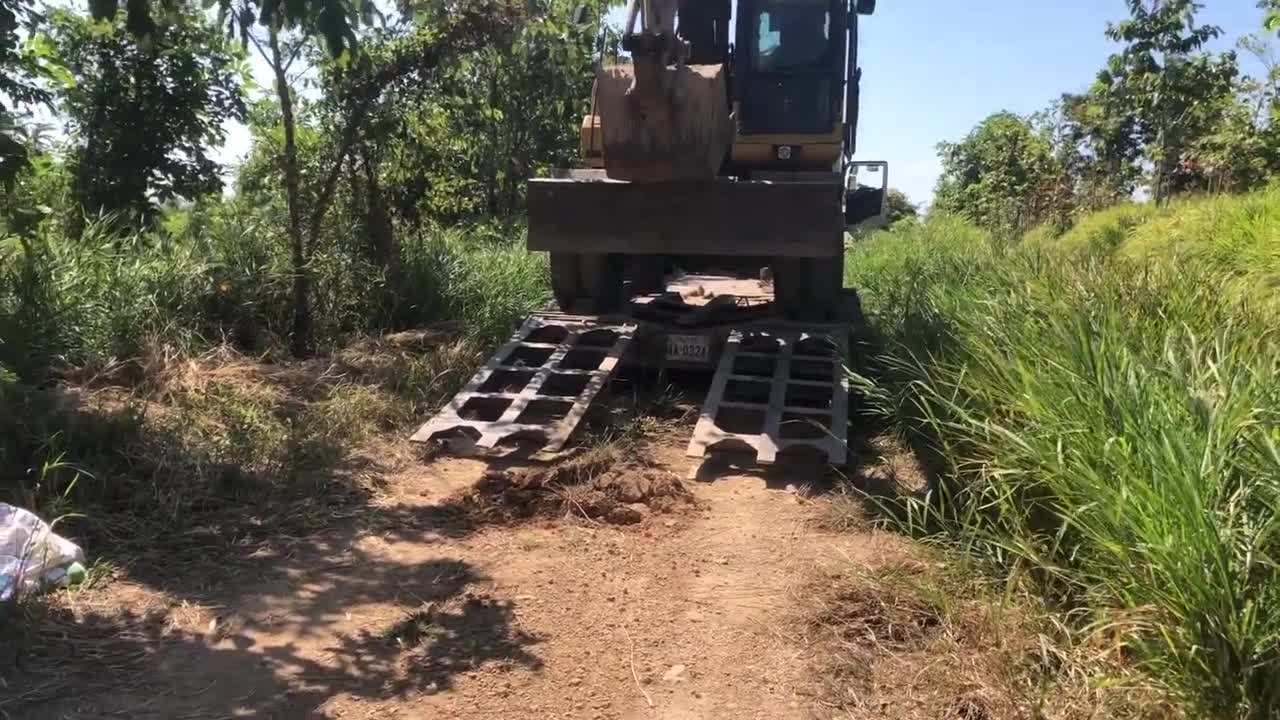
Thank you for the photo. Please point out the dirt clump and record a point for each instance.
(625, 494)
(626, 514)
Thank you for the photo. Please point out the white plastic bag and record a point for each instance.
(31, 555)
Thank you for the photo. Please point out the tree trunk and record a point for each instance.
(491, 153)
(302, 322)
(85, 190)
(381, 238)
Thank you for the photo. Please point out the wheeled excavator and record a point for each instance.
(707, 231)
(726, 142)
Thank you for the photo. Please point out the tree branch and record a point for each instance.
(293, 55)
(261, 51)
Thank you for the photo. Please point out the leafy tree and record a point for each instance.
(1164, 110)
(1264, 94)
(520, 102)
(1099, 146)
(900, 206)
(144, 115)
(461, 147)
(1242, 149)
(355, 85)
(24, 69)
(336, 21)
(1002, 175)
(1170, 90)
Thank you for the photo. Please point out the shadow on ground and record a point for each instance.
(895, 465)
(87, 663)
(240, 497)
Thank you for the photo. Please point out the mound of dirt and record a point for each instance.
(621, 495)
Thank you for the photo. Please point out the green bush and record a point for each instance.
(1110, 430)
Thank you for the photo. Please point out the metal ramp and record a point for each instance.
(539, 384)
(777, 392)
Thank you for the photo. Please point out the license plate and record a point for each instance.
(689, 348)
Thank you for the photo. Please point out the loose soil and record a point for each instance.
(604, 586)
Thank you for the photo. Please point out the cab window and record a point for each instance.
(791, 35)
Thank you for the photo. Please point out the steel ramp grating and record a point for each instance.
(538, 384)
(777, 392)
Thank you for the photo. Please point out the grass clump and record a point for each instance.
(910, 639)
(1111, 432)
(220, 440)
(1095, 233)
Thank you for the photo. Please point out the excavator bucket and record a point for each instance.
(663, 123)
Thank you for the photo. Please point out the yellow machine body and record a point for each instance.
(702, 152)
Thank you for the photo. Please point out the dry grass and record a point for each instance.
(197, 467)
(218, 450)
(916, 640)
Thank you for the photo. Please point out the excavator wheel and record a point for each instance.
(587, 282)
(808, 288)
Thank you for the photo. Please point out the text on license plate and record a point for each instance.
(689, 348)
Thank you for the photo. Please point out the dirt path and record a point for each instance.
(412, 612)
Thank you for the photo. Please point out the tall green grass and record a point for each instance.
(1110, 430)
(485, 280)
(1236, 238)
(176, 438)
(1098, 232)
(219, 275)
(1233, 238)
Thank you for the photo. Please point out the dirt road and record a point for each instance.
(408, 611)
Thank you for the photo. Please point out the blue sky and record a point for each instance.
(932, 69)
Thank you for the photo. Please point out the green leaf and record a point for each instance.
(60, 75)
(1272, 20)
